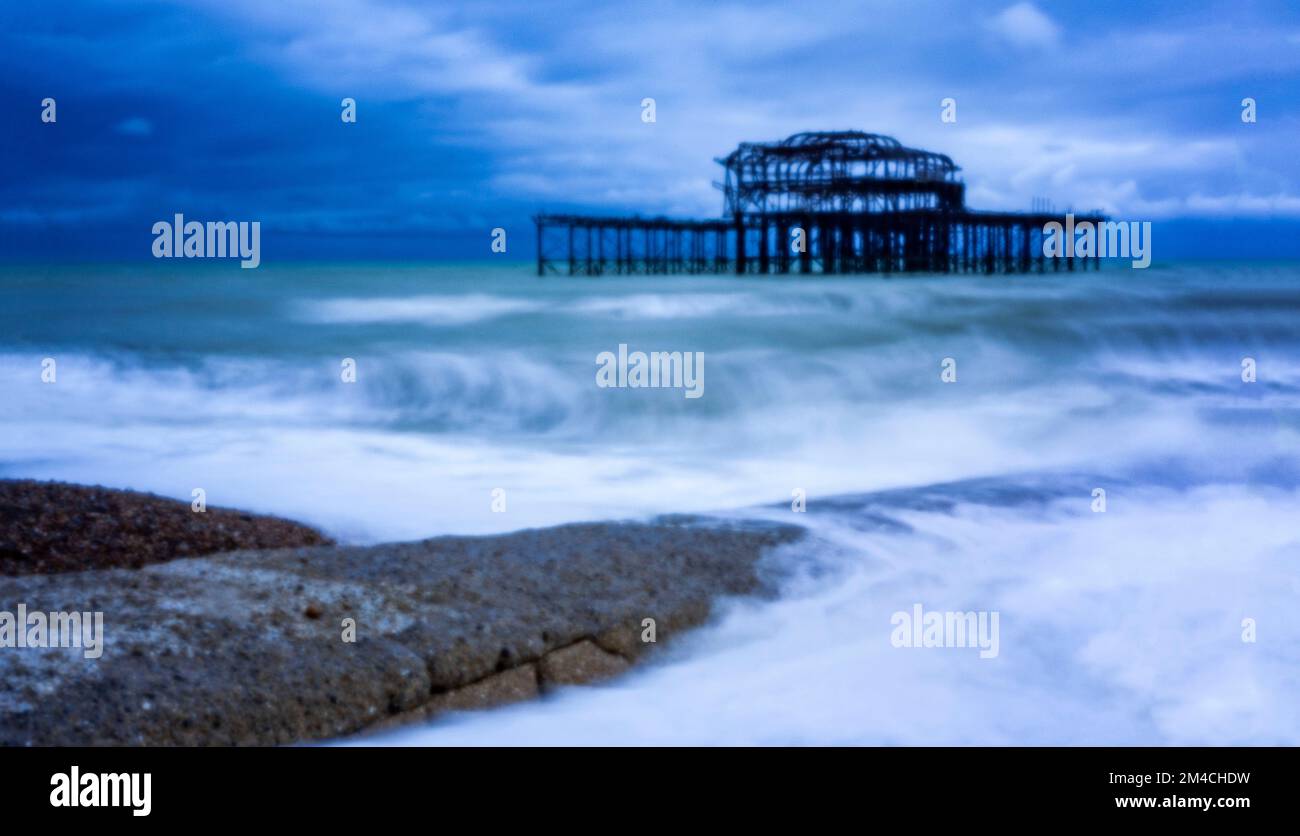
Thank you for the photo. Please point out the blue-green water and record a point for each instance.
(1122, 626)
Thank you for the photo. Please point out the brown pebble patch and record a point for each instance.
(52, 527)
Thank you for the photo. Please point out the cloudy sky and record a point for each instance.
(475, 115)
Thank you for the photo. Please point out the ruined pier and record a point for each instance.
(833, 203)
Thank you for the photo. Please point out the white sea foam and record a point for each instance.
(452, 310)
(1116, 628)
(462, 309)
(416, 446)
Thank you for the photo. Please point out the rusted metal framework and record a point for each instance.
(846, 171)
(829, 202)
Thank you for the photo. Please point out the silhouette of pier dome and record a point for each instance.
(838, 171)
(846, 145)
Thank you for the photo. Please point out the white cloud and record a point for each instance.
(555, 101)
(384, 50)
(1025, 25)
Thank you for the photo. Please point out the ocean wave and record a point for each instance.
(429, 391)
(467, 309)
(449, 310)
(690, 305)
(1117, 628)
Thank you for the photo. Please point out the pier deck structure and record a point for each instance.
(857, 202)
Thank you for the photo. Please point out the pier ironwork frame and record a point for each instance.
(865, 204)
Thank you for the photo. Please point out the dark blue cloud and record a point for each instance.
(475, 116)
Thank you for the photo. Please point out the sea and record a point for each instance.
(1107, 460)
